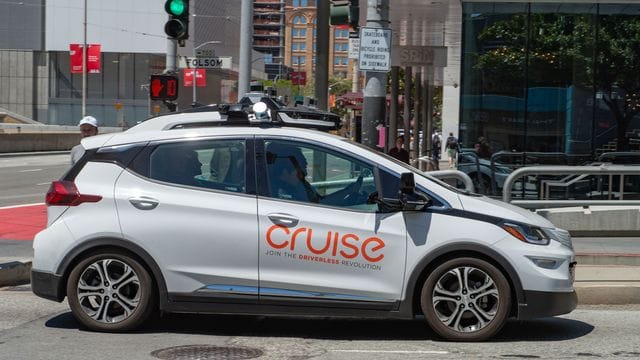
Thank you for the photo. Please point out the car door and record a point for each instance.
(192, 206)
(325, 247)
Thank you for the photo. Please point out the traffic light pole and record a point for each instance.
(322, 55)
(375, 91)
(84, 62)
(246, 36)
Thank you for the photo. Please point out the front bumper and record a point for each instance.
(543, 304)
(47, 285)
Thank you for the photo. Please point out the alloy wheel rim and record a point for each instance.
(465, 299)
(108, 291)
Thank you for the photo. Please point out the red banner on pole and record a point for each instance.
(75, 51)
(93, 58)
(201, 78)
(299, 78)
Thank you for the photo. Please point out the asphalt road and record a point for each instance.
(33, 328)
(25, 179)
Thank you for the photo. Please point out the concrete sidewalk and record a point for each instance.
(608, 270)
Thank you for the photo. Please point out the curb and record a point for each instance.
(15, 273)
(32, 153)
(597, 293)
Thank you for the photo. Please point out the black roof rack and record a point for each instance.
(243, 115)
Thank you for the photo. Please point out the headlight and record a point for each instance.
(526, 233)
(560, 235)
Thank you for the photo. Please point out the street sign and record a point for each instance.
(299, 78)
(221, 62)
(205, 53)
(375, 49)
(163, 87)
(419, 56)
(354, 45)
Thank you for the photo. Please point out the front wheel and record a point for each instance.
(110, 292)
(466, 299)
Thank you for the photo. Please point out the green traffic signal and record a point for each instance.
(175, 7)
(177, 27)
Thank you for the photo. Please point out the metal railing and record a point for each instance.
(454, 174)
(573, 174)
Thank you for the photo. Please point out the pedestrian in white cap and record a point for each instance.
(88, 127)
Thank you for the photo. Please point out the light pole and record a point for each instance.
(195, 66)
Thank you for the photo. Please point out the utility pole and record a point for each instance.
(322, 54)
(246, 40)
(375, 91)
(84, 63)
(406, 116)
(393, 108)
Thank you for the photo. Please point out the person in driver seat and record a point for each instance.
(287, 168)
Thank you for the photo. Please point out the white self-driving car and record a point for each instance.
(192, 213)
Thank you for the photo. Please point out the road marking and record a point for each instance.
(19, 206)
(432, 352)
(46, 183)
(30, 170)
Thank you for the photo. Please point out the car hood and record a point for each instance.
(487, 206)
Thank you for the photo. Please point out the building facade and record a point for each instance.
(300, 41)
(551, 77)
(35, 69)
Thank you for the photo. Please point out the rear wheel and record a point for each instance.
(110, 292)
(466, 299)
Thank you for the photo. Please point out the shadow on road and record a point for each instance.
(548, 329)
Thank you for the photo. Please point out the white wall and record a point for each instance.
(118, 25)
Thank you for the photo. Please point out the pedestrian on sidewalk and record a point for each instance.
(452, 150)
(436, 148)
(399, 152)
(88, 127)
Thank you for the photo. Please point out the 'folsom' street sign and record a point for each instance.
(222, 62)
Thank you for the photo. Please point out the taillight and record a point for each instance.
(65, 193)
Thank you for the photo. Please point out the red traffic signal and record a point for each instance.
(163, 87)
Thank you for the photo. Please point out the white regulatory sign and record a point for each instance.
(222, 62)
(375, 49)
(354, 45)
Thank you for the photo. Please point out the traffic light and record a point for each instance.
(339, 12)
(177, 27)
(163, 87)
(345, 12)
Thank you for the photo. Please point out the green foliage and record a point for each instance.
(563, 52)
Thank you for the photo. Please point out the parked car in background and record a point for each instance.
(480, 171)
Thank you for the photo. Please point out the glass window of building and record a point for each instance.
(303, 60)
(299, 20)
(299, 32)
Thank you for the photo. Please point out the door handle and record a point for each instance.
(144, 203)
(285, 220)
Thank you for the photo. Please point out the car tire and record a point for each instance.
(475, 311)
(120, 301)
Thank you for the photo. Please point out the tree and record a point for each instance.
(551, 47)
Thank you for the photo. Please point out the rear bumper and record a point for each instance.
(543, 304)
(47, 285)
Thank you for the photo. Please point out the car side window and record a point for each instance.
(305, 173)
(212, 164)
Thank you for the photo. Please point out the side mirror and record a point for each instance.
(407, 183)
(409, 198)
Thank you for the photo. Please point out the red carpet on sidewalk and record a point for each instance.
(22, 222)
